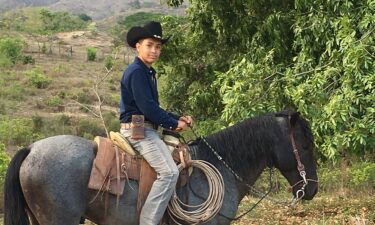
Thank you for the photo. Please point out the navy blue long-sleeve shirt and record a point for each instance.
(139, 96)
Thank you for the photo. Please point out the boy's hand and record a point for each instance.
(182, 125)
(187, 119)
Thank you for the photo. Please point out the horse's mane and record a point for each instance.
(246, 145)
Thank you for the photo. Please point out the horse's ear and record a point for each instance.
(293, 116)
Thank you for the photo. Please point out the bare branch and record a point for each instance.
(87, 107)
(96, 86)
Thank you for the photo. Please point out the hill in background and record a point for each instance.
(96, 9)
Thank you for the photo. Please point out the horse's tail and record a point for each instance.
(14, 200)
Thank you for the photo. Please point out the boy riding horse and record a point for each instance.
(140, 116)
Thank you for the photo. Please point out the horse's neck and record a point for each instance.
(230, 179)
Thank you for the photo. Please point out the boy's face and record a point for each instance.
(148, 50)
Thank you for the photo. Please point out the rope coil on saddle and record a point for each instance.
(205, 211)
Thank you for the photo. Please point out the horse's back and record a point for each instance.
(55, 174)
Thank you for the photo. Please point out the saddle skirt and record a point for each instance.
(116, 161)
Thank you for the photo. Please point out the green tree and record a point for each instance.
(85, 17)
(11, 48)
(125, 23)
(60, 22)
(238, 59)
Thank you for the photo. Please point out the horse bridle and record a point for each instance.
(300, 167)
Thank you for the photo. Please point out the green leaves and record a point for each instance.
(238, 59)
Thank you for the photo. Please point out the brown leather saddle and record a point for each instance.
(113, 166)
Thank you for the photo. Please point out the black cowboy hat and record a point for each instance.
(150, 30)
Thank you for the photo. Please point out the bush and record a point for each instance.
(363, 174)
(38, 79)
(93, 29)
(85, 97)
(91, 53)
(5, 61)
(53, 101)
(109, 61)
(16, 131)
(4, 161)
(11, 48)
(37, 123)
(28, 59)
(60, 21)
(13, 91)
(112, 122)
(86, 126)
(84, 17)
(44, 48)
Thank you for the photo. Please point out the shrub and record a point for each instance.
(53, 101)
(91, 53)
(363, 174)
(85, 97)
(37, 122)
(109, 61)
(111, 121)
(86, 126)
(13, 91)
(4, 161)
(44, 48)
(60, 21)
(28, 59)
(93, 29)
(16, 131)
(5, 61)
(64, 120)
(38, 79)
(84, 17)
(11, 48)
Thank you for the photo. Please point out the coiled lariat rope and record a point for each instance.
(205, 211)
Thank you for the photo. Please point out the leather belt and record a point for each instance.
(146, 124)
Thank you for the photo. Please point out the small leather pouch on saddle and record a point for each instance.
(138, 127)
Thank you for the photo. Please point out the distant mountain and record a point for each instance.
(95, 8)
(11, 4)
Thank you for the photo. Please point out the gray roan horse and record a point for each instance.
(46, 183)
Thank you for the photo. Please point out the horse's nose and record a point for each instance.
(310, 192)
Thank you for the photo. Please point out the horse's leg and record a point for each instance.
(54, 179)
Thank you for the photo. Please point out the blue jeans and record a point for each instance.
(156, 153)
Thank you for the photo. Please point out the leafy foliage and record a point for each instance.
(16, 131)
(84, 17)
(4, 161)
(38, 79)
(42, 21)
(11, 49)
(125, 23)
(60, 22)
(91, 53)
(363, 174)
(238, 59)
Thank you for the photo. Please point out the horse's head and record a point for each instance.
(294, 155)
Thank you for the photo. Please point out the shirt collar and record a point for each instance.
(150, 70)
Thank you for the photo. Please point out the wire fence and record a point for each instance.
(59, 49)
